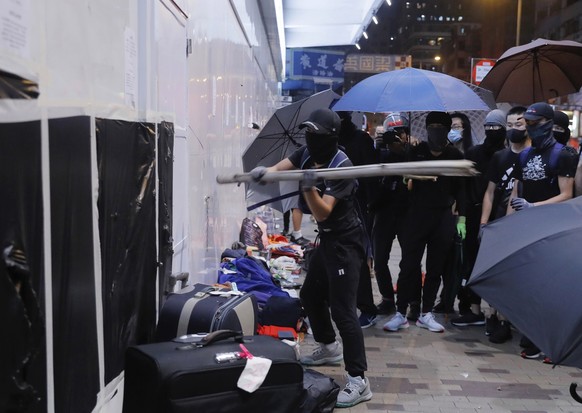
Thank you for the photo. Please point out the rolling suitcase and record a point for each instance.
(203, 308)
(175, 377)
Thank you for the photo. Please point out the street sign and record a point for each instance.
(480, 68)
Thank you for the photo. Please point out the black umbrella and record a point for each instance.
(277, 140)
(529, 268)
(537, 71)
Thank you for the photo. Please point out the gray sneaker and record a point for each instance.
(427, 321)
(397, 322)
(324, 354)
(357, 390)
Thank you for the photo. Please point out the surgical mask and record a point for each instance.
(516, 135)
(437, 139)
(321, 147)
(540, 133)
(455, 136)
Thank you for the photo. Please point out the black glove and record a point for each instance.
(519, 203)
(309, 181)
(258, 172)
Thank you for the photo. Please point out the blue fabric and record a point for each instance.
(252, 277)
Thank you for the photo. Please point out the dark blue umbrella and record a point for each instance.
(411, 90)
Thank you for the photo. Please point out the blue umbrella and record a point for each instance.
(411, 90)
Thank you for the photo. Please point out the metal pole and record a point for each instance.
(518, 22)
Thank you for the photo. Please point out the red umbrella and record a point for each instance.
(537, 71)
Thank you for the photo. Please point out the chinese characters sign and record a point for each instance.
(312, 63)
(375, 63)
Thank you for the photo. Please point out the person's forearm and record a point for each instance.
(317, 205)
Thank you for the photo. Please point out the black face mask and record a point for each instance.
(494, 139)
(562, 137)
(516, 135)
(321, 147)
(541, 135)
(437, 139)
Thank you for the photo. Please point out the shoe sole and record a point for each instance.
(434, 330)
(531, 357)
(476, 323)
(368, 325)
(363, 398)
(321, 362)
(398, 328)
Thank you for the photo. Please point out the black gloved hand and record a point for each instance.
(519, 203)
(309, 181)
(258, 172)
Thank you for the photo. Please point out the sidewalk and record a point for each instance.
(415, 370)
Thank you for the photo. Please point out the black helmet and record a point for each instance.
(322, 122)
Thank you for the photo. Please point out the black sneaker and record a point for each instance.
(501, 334)
(300, 241)
(386, 307)
(367, 320)
(491, 325)
(525, 342)
(440, 309)
(531, 352)
(469, 319)
(413, 311)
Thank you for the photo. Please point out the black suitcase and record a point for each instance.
(174, 377)
(198, 309)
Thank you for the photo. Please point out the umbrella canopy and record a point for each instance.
(537, 71)
(528, 267)
(277, 140)
(411, 90)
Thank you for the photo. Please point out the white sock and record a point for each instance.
(331, 346)
(297, 234)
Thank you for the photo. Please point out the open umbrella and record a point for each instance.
(277, 140)
(528, 267)
(537, 71)
(411, 90)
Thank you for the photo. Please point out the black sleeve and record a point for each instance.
(296, 156)
(567, 163)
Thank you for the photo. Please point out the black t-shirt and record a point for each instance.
(540, 176)
(477, 185)
(501, 172)
(390, 190)
(344, 215)
(443, 192)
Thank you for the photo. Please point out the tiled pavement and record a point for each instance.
(414, 370)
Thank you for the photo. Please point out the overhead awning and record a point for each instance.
(317, 23)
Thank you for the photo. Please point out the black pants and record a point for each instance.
(388, 224)
(331, 283)
(432, 228)
(471, 243)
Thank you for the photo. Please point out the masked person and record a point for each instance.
(429, 224)
(500, 178)
(545, 170)
(460, 135)
(481, 155)
(331, 282)
(388, 207)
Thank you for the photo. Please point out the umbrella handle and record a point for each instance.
(574, 394)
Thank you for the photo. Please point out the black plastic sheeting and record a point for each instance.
(76, 369)
(22, 340)
(165, 195)
(126, 161)
(15, 87)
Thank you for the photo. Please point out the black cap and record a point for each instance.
(442, 118)
(561, 119)
(539, 111)
(322, 122)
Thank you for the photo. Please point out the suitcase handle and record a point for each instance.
(220, 335)
(213, 337)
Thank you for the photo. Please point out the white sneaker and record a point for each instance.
(324, 354)
(397, 322)
(427, 321)
(357, 390)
